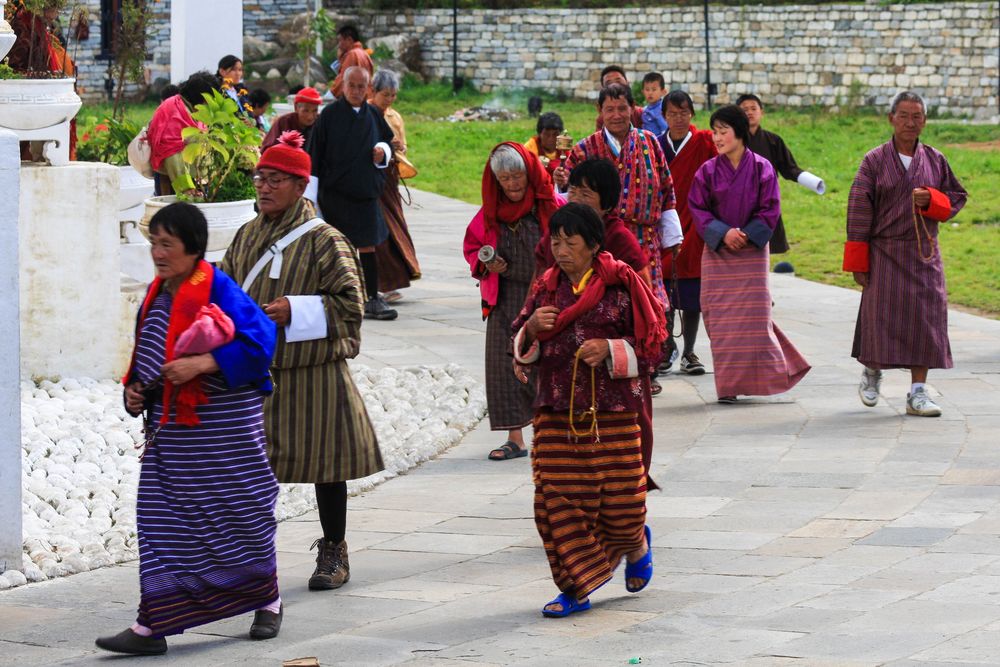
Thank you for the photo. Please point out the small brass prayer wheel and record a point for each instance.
(564, 143)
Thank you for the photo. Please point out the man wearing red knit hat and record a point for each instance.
(307, 103)
(305, 275)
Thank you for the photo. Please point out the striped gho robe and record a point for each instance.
(318, 430)
(903, 318)
(647, 190)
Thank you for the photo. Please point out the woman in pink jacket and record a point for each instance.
(518, 200)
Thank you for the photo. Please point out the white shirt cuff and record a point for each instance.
(670, 229)
(528, 356)
(621, 360)
(812, 181)
(312, 190)
(308, 318)
(387, 150)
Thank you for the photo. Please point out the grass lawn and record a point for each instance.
(451, 156)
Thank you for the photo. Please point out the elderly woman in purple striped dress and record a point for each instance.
(735, 204)
(205, 506)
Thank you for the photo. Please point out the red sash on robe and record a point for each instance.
(192, 295)
(648, 316)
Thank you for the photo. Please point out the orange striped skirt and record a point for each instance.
(590, 496)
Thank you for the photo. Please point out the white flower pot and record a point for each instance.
(40, 110)
(7, 36)
(36, 104)
(134, 188)
(224, 220)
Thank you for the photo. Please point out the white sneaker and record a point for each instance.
(871, 382)
(919, 403)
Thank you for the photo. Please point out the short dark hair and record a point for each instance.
(227, 62)
(199, 84)
(615, 91)
(295, 90)
(573, 219)
(679, 99)
(734, 117)
(549, 120)
(600, 176)
(749, 97)
(612, 68)
(169, 91)
(654, 77)
(258, 97)
(349, 31)
(186, 222)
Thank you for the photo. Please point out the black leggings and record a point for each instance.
(331, 500)
(370, 268)
(689, 327)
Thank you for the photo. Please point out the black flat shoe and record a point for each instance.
(128, 642)
(266, 624)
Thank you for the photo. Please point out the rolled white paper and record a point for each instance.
(812, 181)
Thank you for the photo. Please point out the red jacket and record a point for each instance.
(699, 149)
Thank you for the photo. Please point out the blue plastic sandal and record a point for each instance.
(570, 605)
(642, 568)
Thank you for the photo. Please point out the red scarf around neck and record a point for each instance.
(539, 195)
(192, 294)
(648, 315)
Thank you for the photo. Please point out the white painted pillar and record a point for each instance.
(10, 357)
(201, 33)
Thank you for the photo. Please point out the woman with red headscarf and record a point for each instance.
(518, 200)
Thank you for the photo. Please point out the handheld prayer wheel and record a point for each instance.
(564, 144)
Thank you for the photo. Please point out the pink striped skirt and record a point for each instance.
(752, 357)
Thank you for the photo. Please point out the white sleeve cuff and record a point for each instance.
(812, 182)
(312, 190)
(528, 357)
(670, 229)
(622, 362)
(387, 151)
(308, 318)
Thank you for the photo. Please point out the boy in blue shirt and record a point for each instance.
(653, 89)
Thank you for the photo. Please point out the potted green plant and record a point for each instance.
(107, 141)
(37, 102)
(219, 157)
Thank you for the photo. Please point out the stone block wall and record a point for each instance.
(805, 55)
(791, 55)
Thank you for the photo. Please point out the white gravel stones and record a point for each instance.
(80, 467)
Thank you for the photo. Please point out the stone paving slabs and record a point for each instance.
(801, 529)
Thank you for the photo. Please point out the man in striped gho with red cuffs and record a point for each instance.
(902, 190)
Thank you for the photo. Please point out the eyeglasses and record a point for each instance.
(260, 179)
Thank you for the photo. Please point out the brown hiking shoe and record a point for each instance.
(333, 569)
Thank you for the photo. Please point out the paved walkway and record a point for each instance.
(802, 529)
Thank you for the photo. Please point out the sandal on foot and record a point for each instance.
(570, 605)
(642, 568)
(506, 451)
